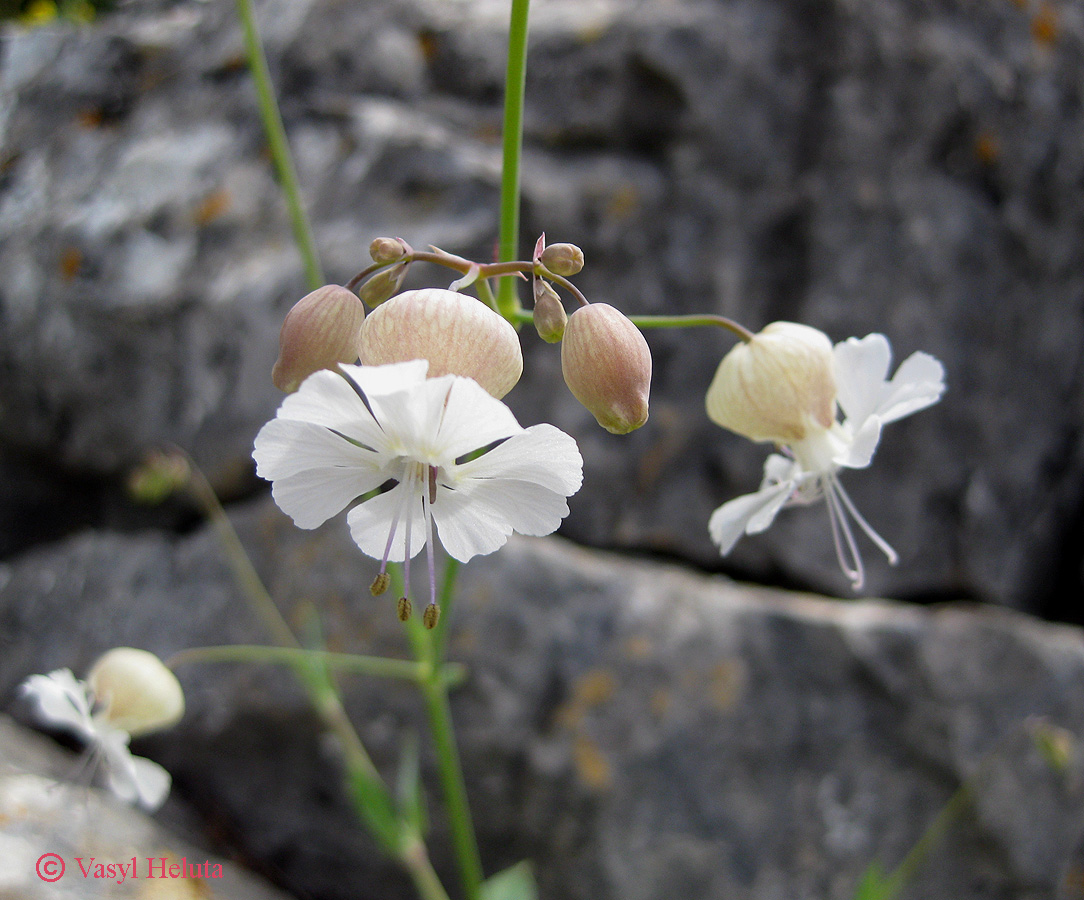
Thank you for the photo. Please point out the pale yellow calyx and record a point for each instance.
(607, 366)
(780, 386)
(457, 334)
(137, 693)
(319, 332)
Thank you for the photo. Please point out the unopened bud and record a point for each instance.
(137, 692)
(387, 250)
(550, 317)
(404, 608)
(431, 616)
(159, 476)
(778, 387)
(457, 334)
(320, 332)
(562, 259)
(1056, 745)
(380, 584)
(383, 285)
(607, 366)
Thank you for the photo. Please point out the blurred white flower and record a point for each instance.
(807, 469)
(64, 701)
(454, 456)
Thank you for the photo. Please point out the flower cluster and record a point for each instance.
(128, 692)
(786, 386)
(417, 438)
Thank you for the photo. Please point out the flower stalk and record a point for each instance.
(279, 146)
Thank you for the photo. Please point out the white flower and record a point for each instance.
(62, 700)
(808, 471)
(456, 456)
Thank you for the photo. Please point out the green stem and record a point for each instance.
(416, 859)
(455, 790)
(936, 830)
(372, 666)
(243, 571)
(514, 89)
(428, 647)
(693, 322)
(280, 148)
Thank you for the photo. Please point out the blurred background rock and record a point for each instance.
(903, 166)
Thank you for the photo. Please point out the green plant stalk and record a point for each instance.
(515, 84)
(428, 647)
(645, 322)
(347, 663)
(936, 830)
(280, 147)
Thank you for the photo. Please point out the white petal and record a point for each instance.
(467, 528)
(472, 419)
(410, 418)
(750, 513)
(542, 454)
(311, 498)
(377, 381)
(61, 699)
(919, 382)
(132, 778)
(859, 450)
(494, 509)
(861, 366)
(371, 522)
(284, 447)
(327, 398)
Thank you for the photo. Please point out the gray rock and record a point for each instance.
(637, 731)
(905, 168)
(90, 832)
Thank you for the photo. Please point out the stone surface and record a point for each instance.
(41, 813)
(637, 731)
(908, 167)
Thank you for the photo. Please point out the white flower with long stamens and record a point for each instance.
(456, 458)
(151, 702)
(854, 377)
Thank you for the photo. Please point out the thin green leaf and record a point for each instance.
(408, 788)
(874, 885)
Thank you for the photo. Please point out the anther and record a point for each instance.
(430, 616)
(404, 609)
(380, 584)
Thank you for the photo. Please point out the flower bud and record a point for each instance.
(457, 334)
(387, 250)
(549, 314)
(777, 387)
(562, 259)
(383, 285)
(137, 692)
(318, 333)
(607, 366)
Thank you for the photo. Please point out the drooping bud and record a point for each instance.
(550, 317)
(607, 366)
(777, 387)
(457, 334)
(431, 616)
(137, 692)
(562, 259)
(383, 285)
(318, 333)
(404, 608)
(387, 250)
(380, 584)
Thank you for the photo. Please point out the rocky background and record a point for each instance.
(909, 167)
